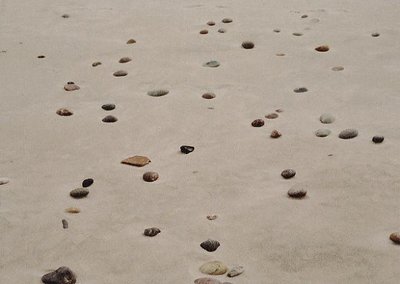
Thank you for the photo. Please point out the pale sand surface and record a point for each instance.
(338, 234)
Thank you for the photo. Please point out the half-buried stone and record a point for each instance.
(110, 119)
(63, 275)
(131, 41)
(213, 268)
(151, 232)
(120, 73)
(348, 133)
(157, 93)
(64, 112)
(212, 64)
(71, 86)
(108, 107)
(248, 45)
(322, 132)
(79, 193)
(125, 60)
(300, 90)
(297, 191)
(208, 96)
(327, 118)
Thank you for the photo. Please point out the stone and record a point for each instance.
(258, 123)
(375, 34)
(322, 48)
(322, 132)
(125, 60)
(248, 45)
(211, 23)
(4, 180)
(137, 161)
(63, 275)
(338, 68)
(300, 90)
(208, 96)
(206, 280)
(151, 232)
(378, 139)
(120, 73)
(72, 210)
(297, 191)
(304, 16)
(203, 32)
(210, 245)
(279, 110)
(280, 54)
(277, 30)
(297, 34)
(64, 223)
(87, 182)
(131, 41)
(275, 134)
(150, 176)
(212, 217)
(41, 56)
(187, 149)
(288, 173)
(71, 86)
(65, 16)
(157, 93)
(64, 112)
(97, 63)
(109, 119)
(326, 118)
(108, 107)
(212, 64)
(79, 192)
(395, 237)
(213, 268)
(235, 271)
(272, 116)
(222, 30)
(227, 20)
(348, 133)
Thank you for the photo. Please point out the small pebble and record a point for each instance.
(4, 180)
(41, 56)
(151, 232)
(322, 48)
(131, 41)
(108, 107)
(212, 217)
(297, 191)
(304, 16)
(65, 16)
(235, 271)
(375, 34)
(110, 119)
(322, 132)
(120, 73)
(79, 193)
(87, 182)
(297, 34)
(211, 23)
(137, 161)
(64, 112)
(280, 54)
(257, 123)
(279, 110)
(125, 60)
(63, 275)
(72, 210)
(227, 20)
(157, 93)
(222, 30)
(150, 176)
(272, 116)
(300, 90)
(348, 133)
(187, 149)
(210, 245)
(94, 64)
(395, 237)
(212, 64)
(206, 280)
(208, 96)
(203, 32)
(338, 68)
(275, 134)
(213, 268)
(71, 86)
(277, 30)
(64, 223)
(248, 45)
(288, 173)
(327, 118)
(378, 139)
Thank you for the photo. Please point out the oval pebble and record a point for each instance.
(395, 237)
(120, 73)
(227, 20)
(297, 191)
(276, 30)
(327, 118)
(125, 60)
(213, 268)
(95, 64)
(208, 96)
(203, 32)
(157, 93)
(110, 119)
(79, 193)
(151, 232)
(64, 112)
(131, 41)
(322, 48)
(375, 34)
(300, 90)
(235, 271)
(211, 23)
(4, 180)
(108, 107)
(378, 139)
(297, 34)
(206, 280)
(87, 182)
(322, 132)
(248, 45)
(150, 176)
(288, 173)
(348, 133)
(210, 245)
(212, 64)
(71, 86)
(257, 123)
(272, 116)
(275, 134)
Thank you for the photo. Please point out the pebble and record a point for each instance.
(297, 191)
(227, 20)
(120, 73)
(211, 23)
(277, 30)
(213, 268)
(64, 112)
(280, 54)
(72, 210)
(110, 119)
(338, 68)
(275, 134)
(279, 110)
(63, 275)
(297, 34)
(151, 232)
(322, 132)
(137, 161)
(378, 139)
(212, 64)
(258, 123)
(272, 116)
(210, 245)
(41, 56)
(87, 182)
(322, 48)
(64, 224)
(304, 16)
(208, 96)
(288, 173)
(157, 93)
(348, 133)
(65, 16)
(375, 34)
(327, 118)
(4, 180)
(212, 217)
(187, 149)
(71, 86)
(300, 90)
(97, 63)
(235, 271)
(206, 280)
(79, 192)
(131, 41)
(150, 176)
(108, 107)
(222, 30)
(125, 60)
(395, 237)
(203, 32)
(248, 45)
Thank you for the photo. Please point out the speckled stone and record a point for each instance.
(258, 122)
(326, 118)
(79, 193)
(151, 232)
(395, 237)
(213, 268)
(63, 275)
(235, 271)
(322, 132)
(348, 133)
(150, 176)
(275, 134)
(300, 90)
(288, 173)
(297, 191)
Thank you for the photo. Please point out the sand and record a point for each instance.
(339, 233)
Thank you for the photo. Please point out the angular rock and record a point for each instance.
(151, 232)
(213, 268)
(137, 161)
(87, 182)
(288, 173)
(62, 275)
(210, 245)
(150, 176)
(79, 193)
(348, 133)
(187, 149)
(235, 271)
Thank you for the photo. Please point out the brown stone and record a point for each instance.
(64, 112)
(322, 48)
(395, 237)
(70, 86)
(257, 123)
(275, 134)
(150, 176)
(137, 161)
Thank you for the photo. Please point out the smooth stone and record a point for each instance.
(257, 123)
(227, 20)
(275, 134)
(327, 118)
(151, 232)
(110, 119)
(212, 64)
(203, 32)
(131, 41)
(210, 245)
(338, 68)
(108, 107)
(279, 110)
(41, 56)
(211, 23)
(65, 16)
(212, 217)
(79, 192)
(87, 182)
(322, 132)
(4, 180)
(64, 223)
(297, 191)
(125, 60)
(72, 210)
(64, 112)
(300, 90)
(395, 237)
(120, 73)
(322, 48)
(137, 161)
(63, 275)
(213, 268)
(207, 280)
(222, 30)
(348, 133)
(157, 93)
(276, 30)
(97, 63)
(235, 271)
(378, 139)
(208, 96)
(288, 173)
(70, 86)
(297, 34)
(248, 45)
(375, 34)
(187, 149)
(272, 116)
(304, 16)
(150, 176)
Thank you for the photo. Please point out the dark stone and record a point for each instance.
(108, 107)
(151, 232)
(62, 275)
(110, 119)
(187, 149)
(257, 123)
(79, 193)
(210, 245)
(378, 139)
(87, 182)
(64, 223)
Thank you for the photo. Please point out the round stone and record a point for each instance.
(297, 191)
(120, 73)
(257, 123)
(212, 64)
(87, 182)
(203, 32)
(150, 176)
(157, 93)
(327, 118)
(97, 63)
(210, 245)
(235, 271)
(213, 268)
(131, 41)
(248, 45)
(288, 173)
(378, 139)
(79, 193)
(395, 237)
(108, 107)
(71, 86)
(64, 112)
(206, 280)
(110, 119)
(151, 232)
(63, 275)
(322, 48)
(227, 20)
(272, 116)
(300, 90)
(322, 132)
(208, 96)
(125, 60)
(275, 134)
(4, 180)
(187, 149)
(348, 133)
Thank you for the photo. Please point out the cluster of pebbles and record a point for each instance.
(212, 24)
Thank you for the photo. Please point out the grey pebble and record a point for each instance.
(327, 118)
(79, 193)
(235, 271)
